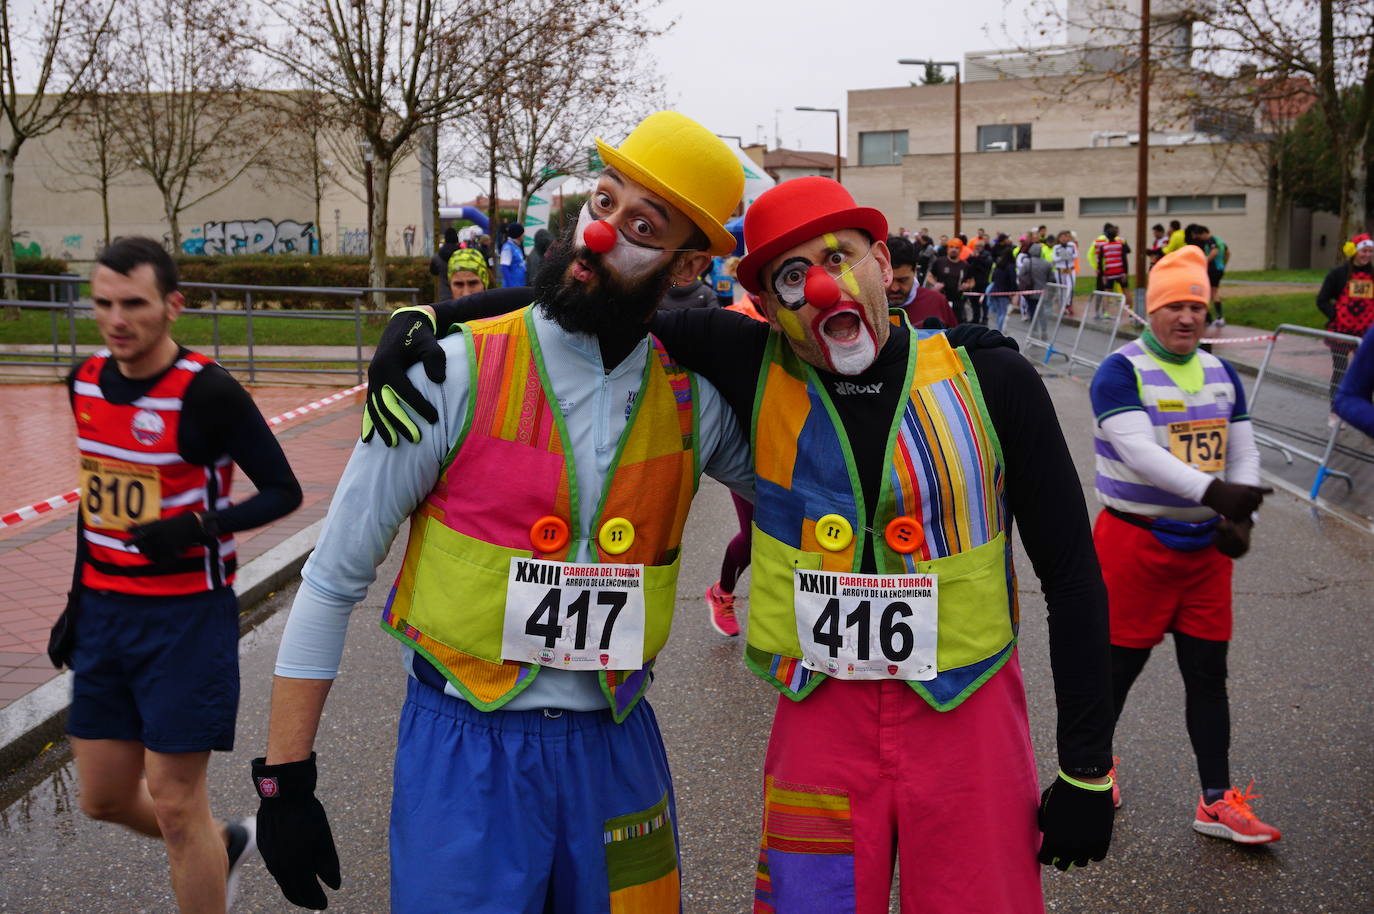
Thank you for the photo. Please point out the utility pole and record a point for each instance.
(1142, 170)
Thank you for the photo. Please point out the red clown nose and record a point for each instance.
(820, 289)
(599, 236)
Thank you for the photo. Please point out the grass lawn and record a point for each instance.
(1268, 311)
(1312, 276)
(197, 331)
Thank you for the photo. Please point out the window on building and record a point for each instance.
(882, 148)
(1013, 207)
(1004, 137)
(1231, 201)
(933, 208)
(1052, 207)
(1189, 204)
(973, 207)
(1101, 206)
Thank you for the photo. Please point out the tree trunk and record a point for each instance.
(11, 287)
(376, 268)
(1274, 218)
(494, 214)
(1357, 198)
(173, 223)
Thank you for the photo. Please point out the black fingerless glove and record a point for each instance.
(1076, 821)
(293, 832)
(409, 337)
(164, 540)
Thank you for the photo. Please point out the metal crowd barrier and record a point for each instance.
(1099, 304)
(1326, 439)
(68, 304)
(1042, 330)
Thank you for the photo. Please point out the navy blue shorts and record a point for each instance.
(162, 671)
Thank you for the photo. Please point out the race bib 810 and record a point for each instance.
(862, 626)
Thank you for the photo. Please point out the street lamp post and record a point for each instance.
(366, 148)
(958, 154)
(836, 112)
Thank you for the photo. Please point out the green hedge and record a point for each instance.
(37, 290)
(289, 270)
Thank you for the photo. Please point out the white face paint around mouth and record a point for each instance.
(626, 260)
(850, 356)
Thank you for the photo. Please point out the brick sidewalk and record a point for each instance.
(40, 460)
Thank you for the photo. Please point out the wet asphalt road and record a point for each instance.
(1302, 727)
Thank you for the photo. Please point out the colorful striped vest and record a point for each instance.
(1197, 390)
(945, 471)
(507, 470)
(128, 453)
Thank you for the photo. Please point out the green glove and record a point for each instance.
(409, 337)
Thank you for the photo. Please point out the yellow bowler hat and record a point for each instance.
(687, 165)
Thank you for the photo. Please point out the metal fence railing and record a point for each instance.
(65, 302)
(1311, 361)
(1046, 320)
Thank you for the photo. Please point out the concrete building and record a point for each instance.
(266, 209)
(785, 164)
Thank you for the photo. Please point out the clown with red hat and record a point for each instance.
(890, 464)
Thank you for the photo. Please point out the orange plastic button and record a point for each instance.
(616, 536)
(904, 534)
(833, 533)
(549, 534)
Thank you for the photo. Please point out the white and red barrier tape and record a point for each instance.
(38, 509)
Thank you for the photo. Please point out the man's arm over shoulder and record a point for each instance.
(724, 347)
(491, 303)
(1046, 500)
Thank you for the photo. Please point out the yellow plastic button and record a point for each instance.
(617, 535)
(549, 534)
(904, 534)
(834, 533)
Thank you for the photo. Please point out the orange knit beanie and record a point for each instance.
(1180, 276)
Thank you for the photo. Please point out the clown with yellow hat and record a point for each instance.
(538, 586)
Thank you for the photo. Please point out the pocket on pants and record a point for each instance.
(641, 861)
(806, 862)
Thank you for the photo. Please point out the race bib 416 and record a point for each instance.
(867, 626)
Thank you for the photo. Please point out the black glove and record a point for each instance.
(977, 336)
(1234, 500)
(1232, 538)
(293, 832)
(164, 540)
(1076, 823)
(409, 337)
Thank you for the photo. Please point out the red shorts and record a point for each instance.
(1152, 589)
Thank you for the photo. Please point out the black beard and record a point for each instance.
(609, 307)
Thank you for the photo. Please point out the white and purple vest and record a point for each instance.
(1166, 403)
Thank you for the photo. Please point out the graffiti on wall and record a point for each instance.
(353, 241)
(254, 236)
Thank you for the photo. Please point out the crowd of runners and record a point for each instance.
(880, 441)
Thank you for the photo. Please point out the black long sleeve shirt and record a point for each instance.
(1042, 487)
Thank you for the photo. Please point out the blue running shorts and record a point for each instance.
(525, 812)
(162, 671)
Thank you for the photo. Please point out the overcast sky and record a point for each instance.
(741, 66)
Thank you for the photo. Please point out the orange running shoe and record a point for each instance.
(1232, 818)
(1116, 784)
(722, 606)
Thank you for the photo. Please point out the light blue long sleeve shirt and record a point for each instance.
(381, 486)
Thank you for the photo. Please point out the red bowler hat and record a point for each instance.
(796, 211)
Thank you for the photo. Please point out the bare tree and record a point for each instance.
(190, 122)
(311, 156)
(66, 39)
(94, 157)
(394, 66)
(1230, 65)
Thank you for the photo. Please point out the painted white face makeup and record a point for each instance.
(630, 261)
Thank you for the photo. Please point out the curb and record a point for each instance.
(39, 718)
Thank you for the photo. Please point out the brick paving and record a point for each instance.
(40, 461)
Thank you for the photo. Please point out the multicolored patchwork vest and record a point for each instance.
(132, 473)
(507, 471)
(945, 471)
(1193, 393)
